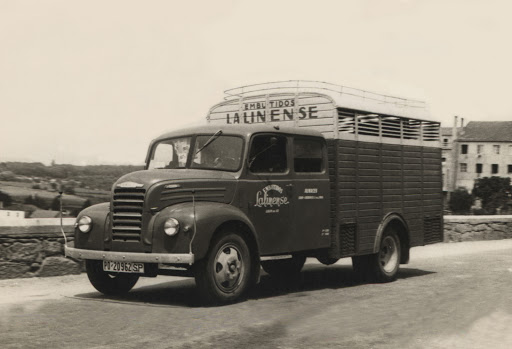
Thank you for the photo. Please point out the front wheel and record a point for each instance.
(109, 283)
(224, 274)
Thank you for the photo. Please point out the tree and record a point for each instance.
(55, 204)
(29, 200)
(460, 201)
(86, 204)
(68, 189)
(494, 192)
(5, 199)
(39, 202)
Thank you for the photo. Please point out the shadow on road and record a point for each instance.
(319, 277)
(184, 293)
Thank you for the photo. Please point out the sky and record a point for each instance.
(92, 82)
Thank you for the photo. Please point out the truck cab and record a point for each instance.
(262, 191)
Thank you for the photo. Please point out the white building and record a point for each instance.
(8, 214)
(483, 149)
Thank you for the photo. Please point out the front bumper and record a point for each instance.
(172, 258)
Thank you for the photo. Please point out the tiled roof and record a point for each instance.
(446, 131)
(487, 131)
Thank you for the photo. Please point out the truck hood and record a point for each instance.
(164, 187)
(147, 178)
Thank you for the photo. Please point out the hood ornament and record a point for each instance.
(130, 185)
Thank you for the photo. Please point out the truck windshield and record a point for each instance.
(171, 153)
(223, 154)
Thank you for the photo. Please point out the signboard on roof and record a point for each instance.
(272, 109)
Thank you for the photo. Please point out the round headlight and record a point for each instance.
(171, 226)
(85, 224)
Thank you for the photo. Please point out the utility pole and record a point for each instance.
(455, 155)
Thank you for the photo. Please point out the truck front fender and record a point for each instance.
(93, 240)
(209, 217)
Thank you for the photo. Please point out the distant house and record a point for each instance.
(45, 214)
(10, 214)
(482, 149)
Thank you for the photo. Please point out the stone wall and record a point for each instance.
(473, 228)
(35, 247)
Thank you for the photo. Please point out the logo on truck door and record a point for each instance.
(271, 196)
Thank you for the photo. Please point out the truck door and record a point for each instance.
(269, 192)
(311, 198)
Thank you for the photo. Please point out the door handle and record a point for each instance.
(289, 189)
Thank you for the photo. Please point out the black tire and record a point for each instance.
(284, 267)
(327, 260)
(382, 266)
(224, 275)
(111, 284)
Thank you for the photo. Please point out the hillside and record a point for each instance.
(94, 177)
(31, 186)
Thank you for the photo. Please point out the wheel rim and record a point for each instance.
(388, 255)
(228, 267)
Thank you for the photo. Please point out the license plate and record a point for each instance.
(123, 267)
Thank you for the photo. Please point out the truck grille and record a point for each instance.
(127, 214)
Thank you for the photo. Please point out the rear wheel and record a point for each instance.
(109, 283)
(284, 267)
(224, 274)
(382, 266)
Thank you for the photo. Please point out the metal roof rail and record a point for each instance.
(344, 96)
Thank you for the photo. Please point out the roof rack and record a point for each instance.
(343, 96)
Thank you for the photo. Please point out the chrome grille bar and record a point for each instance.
(128, 204)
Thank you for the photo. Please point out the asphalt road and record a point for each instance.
(449, 296)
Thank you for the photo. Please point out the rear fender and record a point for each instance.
(402, 229)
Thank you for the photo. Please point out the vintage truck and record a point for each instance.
(281, 172)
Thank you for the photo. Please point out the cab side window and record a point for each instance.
(268, 154)
(307, 155)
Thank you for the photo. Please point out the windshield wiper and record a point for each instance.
(209, 141)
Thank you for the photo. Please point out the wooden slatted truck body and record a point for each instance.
(281, 173)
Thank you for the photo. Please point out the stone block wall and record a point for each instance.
(35, 247)
(473, 228)
(31, 248)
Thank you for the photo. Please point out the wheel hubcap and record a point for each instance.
(229, 268)
(388, 255)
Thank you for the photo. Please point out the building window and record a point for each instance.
(443, 159)
(495, 168)
(445, 142)
(464, 149)
(479, 149)
(463, 167)
(479, 168)
(496, 149)
(509, 168)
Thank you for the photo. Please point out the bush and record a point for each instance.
(493, 191)
(460, 201)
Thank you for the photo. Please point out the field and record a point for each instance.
(19, 191)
